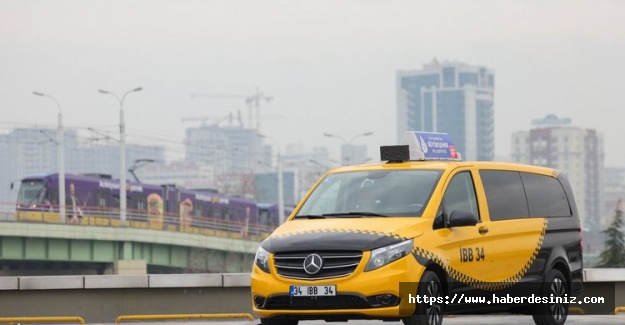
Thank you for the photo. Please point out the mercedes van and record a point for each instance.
(421, 235)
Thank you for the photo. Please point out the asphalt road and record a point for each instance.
(449, 320)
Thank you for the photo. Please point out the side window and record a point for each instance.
(460, 195)
(505, 194)
(545, 196)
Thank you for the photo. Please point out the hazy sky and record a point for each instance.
(330, 65)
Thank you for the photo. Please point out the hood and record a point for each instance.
(343, 233)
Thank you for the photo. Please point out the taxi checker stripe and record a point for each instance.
(487, 286)
(349, 231)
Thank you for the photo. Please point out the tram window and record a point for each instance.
(102, 198)
(140, 202)
(53, 196)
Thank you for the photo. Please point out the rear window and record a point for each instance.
(545, 196)
(514, 195)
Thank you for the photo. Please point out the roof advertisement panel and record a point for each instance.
(433, 146)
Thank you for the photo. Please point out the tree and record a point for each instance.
(613, 256)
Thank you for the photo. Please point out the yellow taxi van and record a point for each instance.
(419, 236)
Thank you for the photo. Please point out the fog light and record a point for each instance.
(259, 301)
(383, 300)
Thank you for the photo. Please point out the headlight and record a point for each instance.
(387, 254)
(262, 259)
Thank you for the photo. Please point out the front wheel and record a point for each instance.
(556, 288)
(428, 313)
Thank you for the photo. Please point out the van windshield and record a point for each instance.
(378, 193)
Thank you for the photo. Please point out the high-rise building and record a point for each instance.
(229, 149)
(453, 98)
(234, 153)
(554, 142)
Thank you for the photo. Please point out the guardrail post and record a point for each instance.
(122, 318)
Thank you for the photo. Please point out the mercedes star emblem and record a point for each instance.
(312, 264)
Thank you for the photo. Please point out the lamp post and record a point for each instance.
(122, 152)
(60, 144)
(280, 181)
(348, 143)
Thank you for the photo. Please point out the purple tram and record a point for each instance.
(94, 200)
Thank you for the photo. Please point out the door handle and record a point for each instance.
(483, 230)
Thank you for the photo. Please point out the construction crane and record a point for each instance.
(216, 120)
(250, 100)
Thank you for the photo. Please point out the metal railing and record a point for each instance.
(122, 318)
(109, 217)
(45, 319)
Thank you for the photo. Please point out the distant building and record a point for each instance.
(302, 166)
(104, 159)
(554, 142)
(180, 173)
(232, 151)
(453, 98)
(354, 154)
(266, 187)
(613, 190)
(306, 166)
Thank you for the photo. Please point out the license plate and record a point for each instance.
(313, 291)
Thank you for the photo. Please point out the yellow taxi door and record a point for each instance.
(515, 238)
(498, 247)
(464, 245)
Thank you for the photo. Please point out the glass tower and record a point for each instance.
(453, 98)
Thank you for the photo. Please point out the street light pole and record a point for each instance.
(280, 189)
(122, 152)
(60, 144)
(348, 143)
(281, 216)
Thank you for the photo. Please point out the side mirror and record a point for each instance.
(439, 221)
(462, 219)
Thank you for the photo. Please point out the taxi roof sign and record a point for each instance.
(430, 146)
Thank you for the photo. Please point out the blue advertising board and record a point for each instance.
(435, 146)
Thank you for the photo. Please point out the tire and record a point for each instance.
(553, 314)
(278, 321)
(428, 314)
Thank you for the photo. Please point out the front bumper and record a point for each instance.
(368, 295)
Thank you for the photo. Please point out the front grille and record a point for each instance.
(335, 264)
(341, 301)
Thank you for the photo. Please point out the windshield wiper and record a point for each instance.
(354, 214)
(310, 216)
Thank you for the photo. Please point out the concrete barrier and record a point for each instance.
(186, 280)
(103, 298)
(51, 282)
